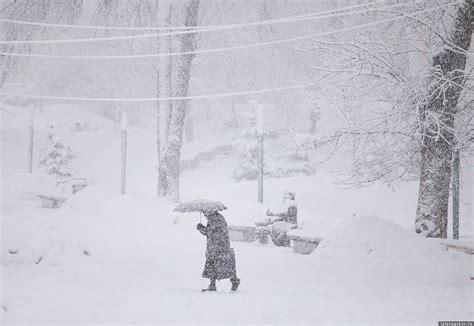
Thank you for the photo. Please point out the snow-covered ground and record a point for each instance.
(106, 258)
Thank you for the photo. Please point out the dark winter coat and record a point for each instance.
(220, 257)
(291, 216)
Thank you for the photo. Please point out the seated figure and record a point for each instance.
(285, 218)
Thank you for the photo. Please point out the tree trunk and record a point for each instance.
(3, 78)
(164, 109)
(172, 152)
(437, 124)
(189, 127)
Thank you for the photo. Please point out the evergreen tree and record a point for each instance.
(295, 156)
(247, 149)
(56, 157)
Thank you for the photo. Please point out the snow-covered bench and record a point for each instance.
(51, 201)
(242, 233)
(460, 245)
(74, 184)
(304, 241)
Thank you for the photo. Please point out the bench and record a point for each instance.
(242, 233)
(304, 241)
(463, 247)
(74, 183)
(51, 201)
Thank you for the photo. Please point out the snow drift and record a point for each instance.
(368, 249)
(34, 235)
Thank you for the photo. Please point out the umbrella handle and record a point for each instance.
(200, 216)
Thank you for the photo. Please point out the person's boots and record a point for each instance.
(235, 283)
(212, 286)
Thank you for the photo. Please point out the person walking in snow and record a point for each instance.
(220, 257)
(286, 218)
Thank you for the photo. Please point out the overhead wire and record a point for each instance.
(154, 99)
(221, 95)
(170, 28)
(224, 49)
(329, 14)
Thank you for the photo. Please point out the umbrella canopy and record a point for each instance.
(200, 205)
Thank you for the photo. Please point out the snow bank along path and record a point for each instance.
(144, 268)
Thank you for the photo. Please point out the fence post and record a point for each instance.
(31, 129)
(123, 128)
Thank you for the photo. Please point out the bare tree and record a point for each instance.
(437, 117)
(32, 10)
(169, 170)
(371, 81)
(376, 82)
(164, 109)
(401, 108)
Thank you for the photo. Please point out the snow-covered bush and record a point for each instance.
(55, 158)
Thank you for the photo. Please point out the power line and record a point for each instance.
(221, 28)
(125, 28)
(155, 99)
(238, 47)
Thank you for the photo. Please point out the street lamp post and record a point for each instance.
(123, 128)
(455, 185)
(260, 153)
(31, 130)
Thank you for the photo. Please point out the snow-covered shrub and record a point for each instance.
(55, 158)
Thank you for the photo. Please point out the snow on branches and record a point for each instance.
(246, 147)
(55, 158)
(286, 153)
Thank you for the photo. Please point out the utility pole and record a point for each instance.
(123, 127)
(260, 153)
(31, 129)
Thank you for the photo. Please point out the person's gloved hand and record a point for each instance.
(200, 226)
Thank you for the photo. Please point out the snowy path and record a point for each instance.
(156, 279)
